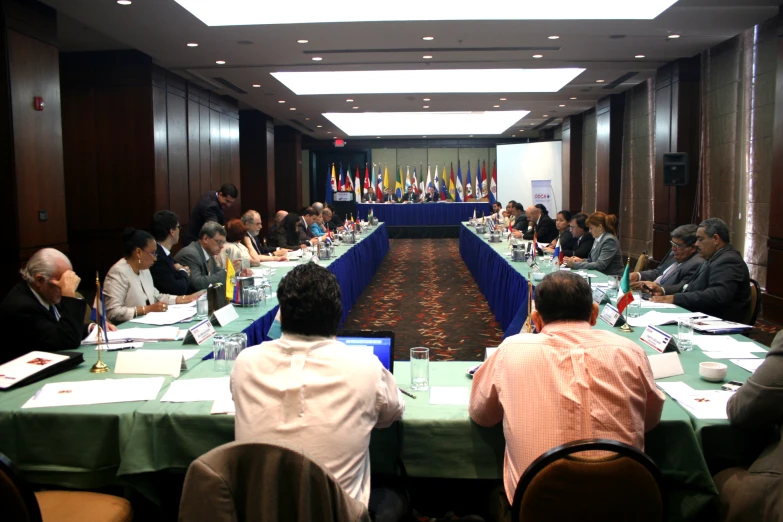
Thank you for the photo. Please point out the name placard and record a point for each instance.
(225, 315)
(598, 295)
(151, 362)
(200, 332)
(658, 340)
(610, 315)
(665, 365)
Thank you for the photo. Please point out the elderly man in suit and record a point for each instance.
(679, 265)
(43, 309)
(210, 208)
(168, 276)
(721, 285)
(200, 257)
(543, 226)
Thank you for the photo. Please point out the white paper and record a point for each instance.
(118, 346)
(22, 367)
(659, 319)
(170, 316)
(651, 304)
(184, 306)
(126, 335)
(187, 353)
(195, 390)
(450, 395)
(150, 362)
(665, 365)
(708, 346)
(105, 391)
(702, 404)
(223, 406)
(750, 365)
(280, 264)
(731, 354)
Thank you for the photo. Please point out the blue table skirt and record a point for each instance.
(504, 287)
(354, 270)
(408, 214)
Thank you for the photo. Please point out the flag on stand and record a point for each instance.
(422, 186)
(474, 214)
(436, 183)
(229, 279)
(625, 288)
(415, 182)
(386, 184)
(408, 181)
(98, 314)
(378, 184)
(479, 190)
(535, 246)
(357, 185)
(331, 185)
(493, 184)
(429, 178)
(341, 179)
(348, 186)
(556, 253)
(469, 187)
(491, 225)
(458, 187)
(398, 182)
(452, 185)
(443, 185)
(367, 184)
(484, 181)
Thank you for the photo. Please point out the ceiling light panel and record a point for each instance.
(253, 12)
(429, 81)
(424, 123)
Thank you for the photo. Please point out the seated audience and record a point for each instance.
(311, 391)
(168, 276)
(605, 255)
(497, 211)
(317, 228)
(431, 195)
(42, 311)
(721, 285)
(210, 208)
(543, 227)
(318, 207)
(564, 236)
(369, 196)
(567, 382)
(751, 494)
(409, 195)
(200, 257)
(336, 220)
(583, 240)
(235, 249)
(685, 261)
(520, 224)
(271, 237)
(128, 289)
(388, 196)
(292, 233)
(252, 220)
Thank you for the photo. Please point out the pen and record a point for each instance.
(409, 394)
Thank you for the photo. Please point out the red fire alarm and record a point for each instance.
(38, 103)
(339, 143)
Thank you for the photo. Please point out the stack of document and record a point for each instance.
(173, 315)
(702, 404)
(659, 318)
(130, 335)
(96, 392)
(725, 347)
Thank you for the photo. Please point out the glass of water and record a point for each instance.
(202, 308)
(420, 368)
(635, 308)
(219, 352)
(685, 334)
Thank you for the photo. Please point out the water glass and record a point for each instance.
(219, 352)
(420, 368)
(611, 291)
(232, 347)
(685, 334)
(635, 308)
(202, 308)
(241, 340)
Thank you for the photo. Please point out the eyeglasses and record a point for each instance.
(153, 254)
(675, 246)
(220, 242)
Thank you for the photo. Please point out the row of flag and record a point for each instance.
(447, 184)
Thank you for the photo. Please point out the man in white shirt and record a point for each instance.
(311, 392)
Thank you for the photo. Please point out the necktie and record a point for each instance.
(55, 313)
(667, 273)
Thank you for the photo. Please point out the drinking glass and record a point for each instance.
(202, 308)
(685, 334)
(219, 352)
(232, 348)
(241, 340)
(420, 368)
(611, 291)
(635, 308)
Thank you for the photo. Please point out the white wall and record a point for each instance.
(519, 164)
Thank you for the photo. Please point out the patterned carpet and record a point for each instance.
(424, 292)
(764, 331)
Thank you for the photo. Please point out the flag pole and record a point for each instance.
(626, 328)
(99, 366)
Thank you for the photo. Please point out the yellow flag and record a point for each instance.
(229, 279)
(386, 178)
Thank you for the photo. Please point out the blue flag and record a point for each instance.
(328, 197)
(459, 194)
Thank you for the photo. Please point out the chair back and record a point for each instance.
(243, 481)
(755, 302)
(622, 486)
(16, 496)
(641, 263)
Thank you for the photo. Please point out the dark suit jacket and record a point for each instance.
(756, 412)
(545, 230)
(207, 209)
(258, 247)
(167, 279)
(370, 196)
(389, 197)
(654, 273)
(202, 273)
(409, 196)
(435, 196)
(521, 223)
(304, 232)
(683, 272)
(582, 246)
(720, 287)
(29, 326)
(567, 241)
(271, 236)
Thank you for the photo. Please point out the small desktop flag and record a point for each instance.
(491, 225)
(98, 314)
(535, 247)
(556, 253)
(229, 279)
(625, 288)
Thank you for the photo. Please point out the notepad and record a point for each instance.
(105, 391)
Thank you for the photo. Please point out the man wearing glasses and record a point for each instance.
(679, 265)
(200, 257)
(584, 240)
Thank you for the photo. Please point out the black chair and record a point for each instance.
(622, 486)
(755, 302)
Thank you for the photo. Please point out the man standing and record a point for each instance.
(42, 312)
(684, 260)
(312, 391)
(200, 257)
(210, 208)
(567, 382)
(169, 276)
(584, 239)
(721, 285)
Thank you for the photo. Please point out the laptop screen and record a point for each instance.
(381, 343)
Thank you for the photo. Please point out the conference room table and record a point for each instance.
(439, 213)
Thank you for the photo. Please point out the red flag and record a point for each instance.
(348, 183)
(484, 185)
(366, 179)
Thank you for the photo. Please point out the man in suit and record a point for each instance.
(721, 286)
(521, 224)
(169, 276)
(584, 239)
(306, 219)
(544, 228)
(210, 208)
(42, 312)
(409, 196)
(431, 195)
(252, 220)
(369, 196)
(336, 220)
(388, 196)
(271, 236)
(679, 265)
(200, 257)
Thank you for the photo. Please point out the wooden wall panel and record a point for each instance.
(572, 162)
(258, 180)
(214, 150)
(288, 168)
(177, 130)
(160, 147)
(609, 141)
(205, 150)
(194, 157)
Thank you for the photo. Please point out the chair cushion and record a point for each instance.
(83, 506)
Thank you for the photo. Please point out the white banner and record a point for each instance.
(542, 193)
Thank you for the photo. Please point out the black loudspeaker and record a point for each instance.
(675, 168)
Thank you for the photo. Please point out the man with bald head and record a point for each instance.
(271, 237)
(42, 311)
(542, 226)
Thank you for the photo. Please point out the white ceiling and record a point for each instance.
(161, 29)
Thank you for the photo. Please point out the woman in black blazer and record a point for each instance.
(564, 236)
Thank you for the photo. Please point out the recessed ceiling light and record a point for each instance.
(302, 41)
(424, 136)
(496, 106)
(554, 37)
(545, 115)
(538, 56)
(673, 36)
(292, 109)
(573, 97)
(124, 2)
(513, 135)
(354, 107)
(220, 62)
(426, 99)
(502, 99)
(523, 130)
(428, 81)
(245, 12)
(256, 85)
(562, 105)
(424, 123)
(425, 106)
(599, 81)
(192, 44)
(639, 56)
(328, 132)
(319, 126)
(377, 137)
(307, 119)
(427, 56)
(349, 100)
(317, 58)
(280, 101)
(428, 38)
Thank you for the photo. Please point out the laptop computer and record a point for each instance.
(381, 342)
